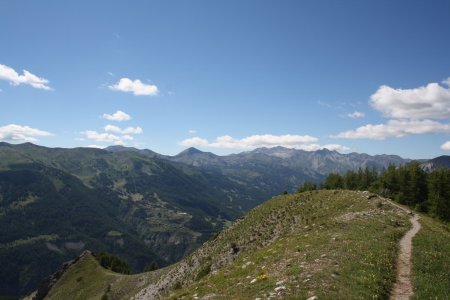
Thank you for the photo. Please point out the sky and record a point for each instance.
(227, 76)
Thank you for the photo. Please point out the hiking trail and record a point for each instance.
(403, 288)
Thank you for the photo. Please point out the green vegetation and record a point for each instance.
(307, 186)
(332, 244)
(87, 280)
(431, 260)
(409, 185)
(112, 262)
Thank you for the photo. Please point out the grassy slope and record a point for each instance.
(339, 245)
(431, 260)
(88, 280)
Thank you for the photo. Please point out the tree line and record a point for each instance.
(408, 184)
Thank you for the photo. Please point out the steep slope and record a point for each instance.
(330, 244)
(440, 162)
(47, 217)
(166, 208)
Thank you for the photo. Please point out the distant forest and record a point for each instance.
(409, 185)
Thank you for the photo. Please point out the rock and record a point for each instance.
(253, 280)
(279, 282)
(313, 298)
(323, 256)
(280, 288)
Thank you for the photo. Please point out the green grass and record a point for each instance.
(333, 244)
(431, 260)
(89, 281)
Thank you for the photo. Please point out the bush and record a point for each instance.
(112, 262)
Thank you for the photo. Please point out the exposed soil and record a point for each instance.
(403, 288)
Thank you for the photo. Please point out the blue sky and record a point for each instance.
(227, 76)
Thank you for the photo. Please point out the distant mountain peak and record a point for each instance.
(117, 148)
(440, 162)
(190, 151)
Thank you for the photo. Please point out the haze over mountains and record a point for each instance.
(138, 204)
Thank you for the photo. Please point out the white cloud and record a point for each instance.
(127, 137)
(101, 137)
(254, 141)
(302, 142)
(356, 115)
(9, 74)
(128, 130)
(192, 131)
(113, 138)
(118, 116)
(446, 146)
(195, 141)
(18, 133)
(136, 87)
(96, 146)
(427, 102)
(335, 147)
(395, 128)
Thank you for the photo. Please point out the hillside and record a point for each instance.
(440, 162)
(330, 244)
(55, 202)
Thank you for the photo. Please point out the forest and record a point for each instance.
(408, 184)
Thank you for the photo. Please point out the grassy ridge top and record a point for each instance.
(330, 244)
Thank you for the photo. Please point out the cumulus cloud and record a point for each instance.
(136, 87)
(10, 75)
(395, 128)
(255, 141)
(303, 142)
(427, 102)
(101, 137)
(113, 134)
(18, 133)
(96, 146)
(410, 111)
(335, 147)
(128, 130)
(118, 116)
(446, 146)
(195, 141)
(107, 137)
(356, 115)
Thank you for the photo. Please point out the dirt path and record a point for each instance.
(403, 288)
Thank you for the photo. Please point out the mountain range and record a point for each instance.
(138, 204)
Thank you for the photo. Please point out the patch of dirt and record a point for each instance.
(403, 288)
